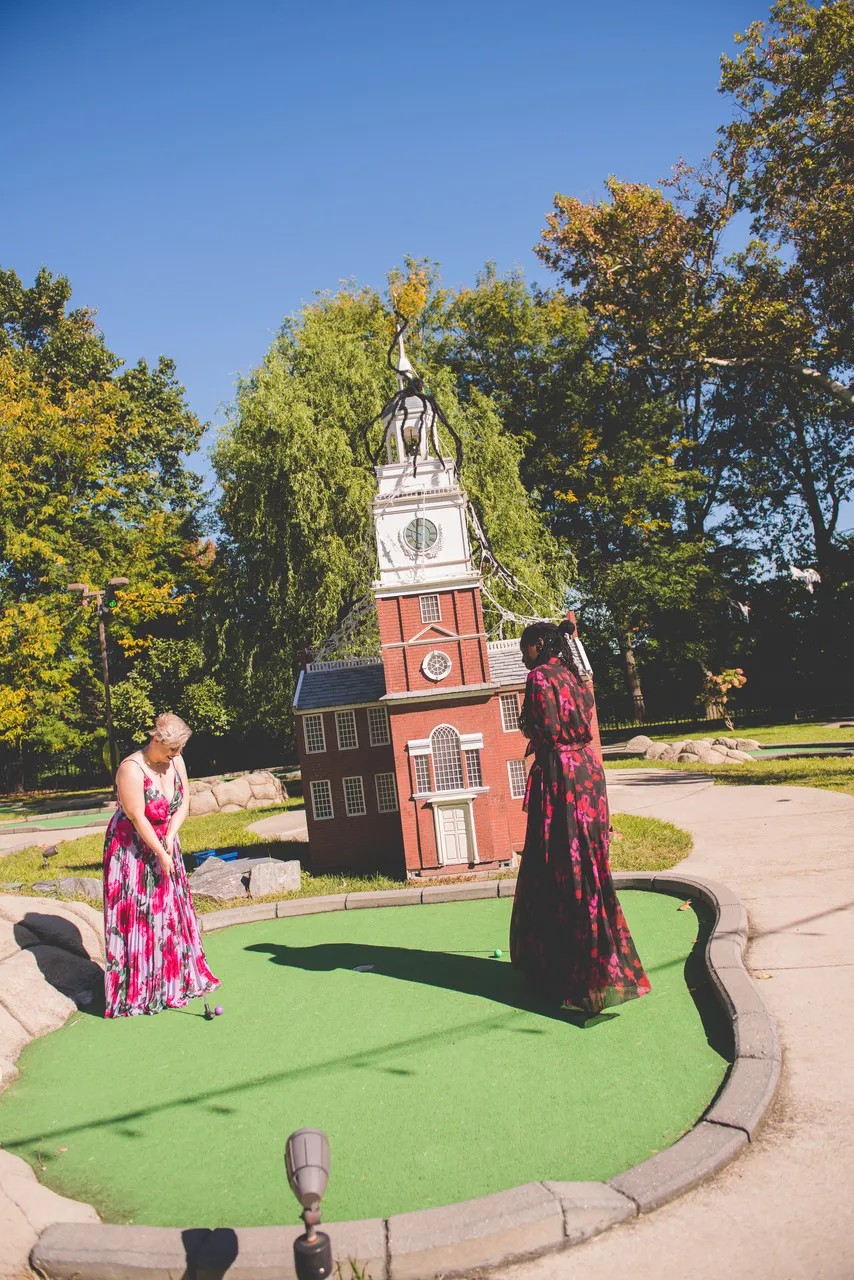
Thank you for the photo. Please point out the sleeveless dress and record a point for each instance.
(154, 954)
(568, 934)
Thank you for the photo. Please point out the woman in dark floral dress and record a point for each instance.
(568, 934)
(155, 958)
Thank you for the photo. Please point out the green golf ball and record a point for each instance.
(497, 953)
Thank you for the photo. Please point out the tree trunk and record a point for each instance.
(632, 677)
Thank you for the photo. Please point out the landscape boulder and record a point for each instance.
(221, 881)
(639, 743)
(254, 790)
(274, 877)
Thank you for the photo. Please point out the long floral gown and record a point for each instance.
(155, 958)
(568, 934)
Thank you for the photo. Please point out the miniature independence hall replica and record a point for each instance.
(416, 761)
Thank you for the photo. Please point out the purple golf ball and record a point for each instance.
(218, 1010)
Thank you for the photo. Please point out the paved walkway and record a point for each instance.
(782, 1211)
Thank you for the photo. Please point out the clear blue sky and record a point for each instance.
(199, 168)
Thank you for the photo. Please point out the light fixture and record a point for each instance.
(307, 1162)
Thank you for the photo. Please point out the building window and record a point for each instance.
(473, 769)
(516, 770)
(321, 800)
(378, 725)
(345, 724)
(447, 758)
(422, 773)
(354, 797)
(509, 711)
(431, 609)
(387, 790)
(436, 665)
(315, 738)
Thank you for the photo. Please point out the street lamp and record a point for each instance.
(104, 602)
(307, 1161)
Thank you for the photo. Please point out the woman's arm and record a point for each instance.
(130, 786)
(541, 713)
(177, 819)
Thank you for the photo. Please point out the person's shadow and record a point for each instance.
(471, 974)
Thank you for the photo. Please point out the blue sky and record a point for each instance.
(200, 169)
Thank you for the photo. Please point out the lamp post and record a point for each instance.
(103, 601)
(307, 1162)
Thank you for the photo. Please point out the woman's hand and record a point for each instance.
(165, 862)
(170, 841)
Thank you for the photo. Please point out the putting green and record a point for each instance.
(432, 1079)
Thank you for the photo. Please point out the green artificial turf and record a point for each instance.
(433, 1080)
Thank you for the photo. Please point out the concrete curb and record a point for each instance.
(496, 1229)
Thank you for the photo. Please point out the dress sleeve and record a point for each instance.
(541, 712)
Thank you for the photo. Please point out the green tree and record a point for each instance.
(92, 485)
(298, 548)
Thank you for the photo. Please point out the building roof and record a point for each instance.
(505, 662)
(356, 682)
(346, 684)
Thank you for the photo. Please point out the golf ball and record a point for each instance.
(218, 1010)
(497, 953)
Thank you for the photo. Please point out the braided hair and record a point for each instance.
(555, 643)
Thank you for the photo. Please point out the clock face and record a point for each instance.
(420, 534)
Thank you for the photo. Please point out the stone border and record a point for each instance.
(497, 1229)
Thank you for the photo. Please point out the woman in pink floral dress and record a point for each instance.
(155, 958)
(568, 934)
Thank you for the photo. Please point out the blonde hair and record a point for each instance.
(171, 730)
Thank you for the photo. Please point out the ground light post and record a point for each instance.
(104, 601)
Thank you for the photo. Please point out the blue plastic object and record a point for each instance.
(229, 855)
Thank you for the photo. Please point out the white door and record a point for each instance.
(455, 833)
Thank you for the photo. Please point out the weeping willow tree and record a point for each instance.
(297, 551)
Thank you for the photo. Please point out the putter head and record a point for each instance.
(208, 1013)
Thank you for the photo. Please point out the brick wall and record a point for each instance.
(367, 843)
(407, 640)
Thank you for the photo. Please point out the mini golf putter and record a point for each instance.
(210, 1013)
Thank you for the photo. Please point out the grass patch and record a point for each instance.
(647, 844)
(643, 844)
(769, 735)
(830, 773)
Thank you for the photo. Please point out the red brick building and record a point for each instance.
(414, 761)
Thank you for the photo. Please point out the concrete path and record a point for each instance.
(782, 1211)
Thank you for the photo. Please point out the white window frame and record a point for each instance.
(355, 813)
(310, 750)
(379, 716)
(515, 792)
(385, 780)
(447, 665)
(473, 754)
(315, 786)
(505, 706)
(341, 718)
(419, 767)
(428, 614)
(444, 763)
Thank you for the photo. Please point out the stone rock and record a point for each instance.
(656, 751)
(13, 1035)
(74, 926)
(690, 749)
(707, 756)
(223, 880)
(13, 937)
(688, 757)
(741, 756)
(202, 803)
(669, 753)
(639, 743)
(747, 744)
(41, 1006)
(259, 802)
(233, 808)
(723, 742)
(198, 785)
(274, 877)
(267, 791)
(89, 886)
(236, 792)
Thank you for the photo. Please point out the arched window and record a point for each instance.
(447, 760)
